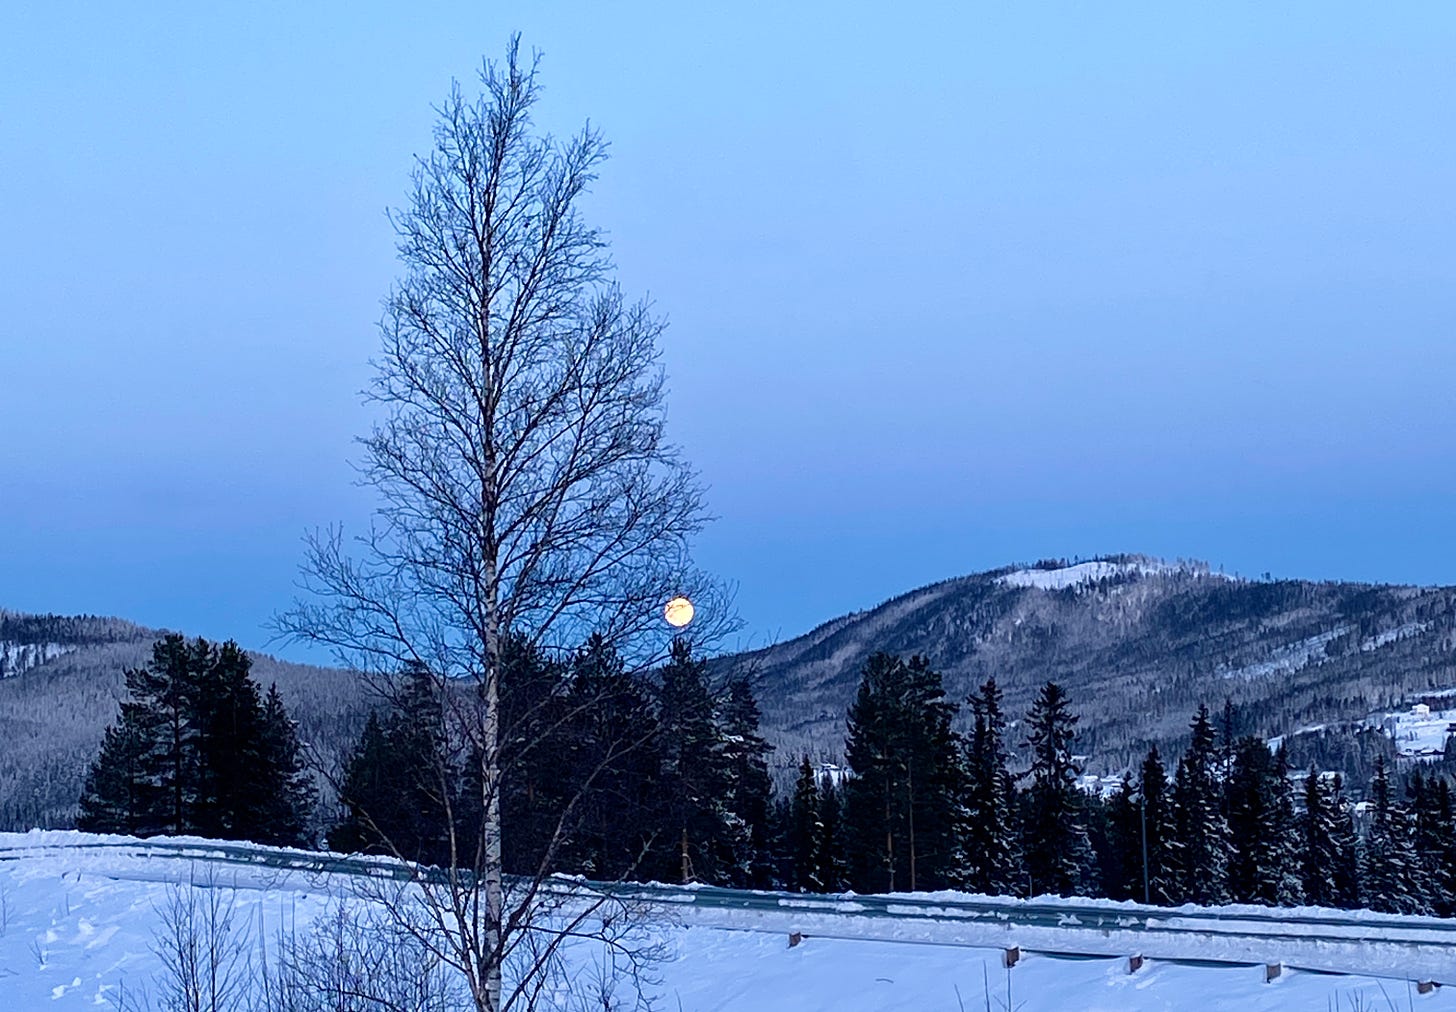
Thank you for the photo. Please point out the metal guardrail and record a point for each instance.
(1266, 925)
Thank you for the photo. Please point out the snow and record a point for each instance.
(18, 658)
(77, 913)
(1101, 569)
(1416, 735)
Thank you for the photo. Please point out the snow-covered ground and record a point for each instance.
(1089, 572)
(77, 922)
(18, 658)
(1416, 734)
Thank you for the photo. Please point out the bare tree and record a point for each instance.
(525, 484)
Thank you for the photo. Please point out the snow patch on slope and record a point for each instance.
(1099, 569)
(18, 658)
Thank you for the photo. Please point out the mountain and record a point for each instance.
(61, 678)
(1138, 643)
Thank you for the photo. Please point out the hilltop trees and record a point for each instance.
(197, 749)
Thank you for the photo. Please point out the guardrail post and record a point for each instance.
(1271, 971)
(1134, 964)
(795, 937)
(1426, 986)
(1013, 954)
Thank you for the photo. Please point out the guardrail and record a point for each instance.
(1425, 946)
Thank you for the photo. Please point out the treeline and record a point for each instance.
(924, 807)
(199, 749)
(606, 773)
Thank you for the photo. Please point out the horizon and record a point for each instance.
(946, 287)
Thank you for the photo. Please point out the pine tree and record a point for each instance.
(1202, 831)
(535, 728)
(1057, 850)
(368, 795)
(1389, 866)
(806, 831)
(992, 855)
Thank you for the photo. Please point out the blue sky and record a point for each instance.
(950, 286)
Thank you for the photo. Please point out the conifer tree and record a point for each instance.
(534, 743)
(1349, 893)
(1319, 852)
(1260, 820)
(694, 776)
(750, 791)
(614, 770)
(189, 752)
(1057, 850)
(1202, 831)
(234, 787)
(992, 854)
(1119, 845)
(806, 831)
(396, 784)
(902, 802)
(119, 796)
(1389, 866)
(288, 807)
(833, 862)
(1157, 830)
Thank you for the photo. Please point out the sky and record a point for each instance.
(950, 286)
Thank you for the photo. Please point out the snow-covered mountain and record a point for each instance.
(1137, 642)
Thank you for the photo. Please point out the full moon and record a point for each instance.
(679, 612)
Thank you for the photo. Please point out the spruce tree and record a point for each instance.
(806, 831)
(902, 803)
(234, 785)
(833, 861)
(614, 772)
(1319, 851)
(1057, 850)
(1157, 831)
(992, 854)
(287, 808)
(750, 791)
(1119, 844)
(368, 795)
(1348, 891)
(1389, 867)
(119, 796)
(694, 777)
(1202, 831)
(1262, 866)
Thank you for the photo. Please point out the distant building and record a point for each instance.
(1420, 710)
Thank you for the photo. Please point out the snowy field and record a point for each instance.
(77, 923)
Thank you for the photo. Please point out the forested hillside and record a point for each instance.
(63, 686)
(1137, 644)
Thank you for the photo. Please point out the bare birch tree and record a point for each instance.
(525, 484)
